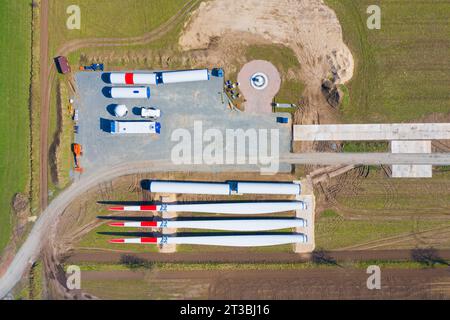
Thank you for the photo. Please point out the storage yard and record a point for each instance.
(238, 208)
(181, 105)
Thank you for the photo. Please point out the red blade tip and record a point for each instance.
(117, 241)
(115, 208)
(117, 224)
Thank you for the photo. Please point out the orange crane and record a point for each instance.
(78, 152)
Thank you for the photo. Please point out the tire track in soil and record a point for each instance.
(389, 241)
(390, 210)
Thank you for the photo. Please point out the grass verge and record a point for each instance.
(15, 44)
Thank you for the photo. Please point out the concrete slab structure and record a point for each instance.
(411, 171)
(169, 248)
(307, 196)
(259, 100)
(367, 132)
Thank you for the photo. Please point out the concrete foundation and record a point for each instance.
(168, 248)
(368, 132)
(307, 196)
(411, 171)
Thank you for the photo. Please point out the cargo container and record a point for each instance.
(62, 65)
(129, 127)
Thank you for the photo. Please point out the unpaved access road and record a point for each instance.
(33, 244)
(45, 105)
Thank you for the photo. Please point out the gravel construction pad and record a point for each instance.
(181, 105)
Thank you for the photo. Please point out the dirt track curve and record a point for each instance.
(30, 249)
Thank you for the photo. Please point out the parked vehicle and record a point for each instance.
(127, 127)
(150, 113)
(282, 120)
(93, 67)
(75, 115)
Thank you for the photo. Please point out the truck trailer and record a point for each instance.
(124, 127)
(157, 78)
(129, 92)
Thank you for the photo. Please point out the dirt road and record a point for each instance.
(246, 257)
(45, 105)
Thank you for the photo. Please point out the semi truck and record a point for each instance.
(128, 127)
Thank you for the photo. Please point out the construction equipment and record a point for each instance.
(78, 152)
(70, 109)
(93, 67)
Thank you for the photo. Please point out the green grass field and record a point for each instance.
(110, 18)
(14, 114)
(337, 232)
(403, 69)
(398, 197)
(401, 74)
